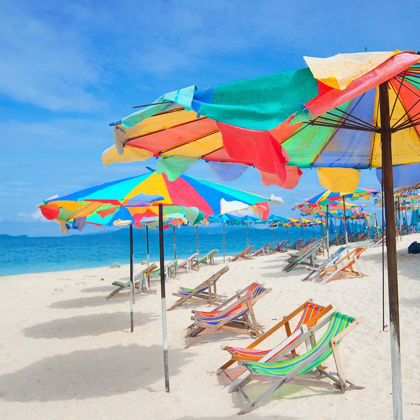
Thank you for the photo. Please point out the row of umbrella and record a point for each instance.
(344, 112)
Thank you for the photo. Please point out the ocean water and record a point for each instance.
(21, 254)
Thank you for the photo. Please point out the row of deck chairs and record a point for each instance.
(280, 364)
(142, 280)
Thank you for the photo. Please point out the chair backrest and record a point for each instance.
(310, 312)
(338, 322)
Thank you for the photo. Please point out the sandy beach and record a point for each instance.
(67, 352)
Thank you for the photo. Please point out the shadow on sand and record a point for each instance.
(94, 301)
(98, 289)
(90, 374)
(89, 325)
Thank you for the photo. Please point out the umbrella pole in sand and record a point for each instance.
(345, 224)
(173, 230)
(391, 254)
(274, 237)
(147, 246)
(301, 229)
(328, 234)
(163, 299)
(287, 232)
(223, 242)
(131, 279)
(196, 243)
(247, 240)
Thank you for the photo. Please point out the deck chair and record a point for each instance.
(328, 263)
(170, 269)
(297, 244)
(203, 291)
(188, 263)
(262, 251)
(245, 254)
(281, 246)
(343, 267)
(208, 258)
(310, 314)
(300, 370)
(141, 282)
(234, 315)
(307, 253)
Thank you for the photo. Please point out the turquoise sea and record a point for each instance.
(22, 254)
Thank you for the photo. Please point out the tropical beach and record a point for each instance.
(209, 210)
(68, 352)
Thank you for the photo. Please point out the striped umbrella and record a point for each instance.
(345, 112)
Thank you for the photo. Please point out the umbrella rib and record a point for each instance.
(398, 127)
(356, 121)
(397, 94)
(349, 114)
(344, 126)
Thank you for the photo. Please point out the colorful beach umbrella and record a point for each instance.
(127, 201)
(344, 111)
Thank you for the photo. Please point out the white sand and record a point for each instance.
(67, 353)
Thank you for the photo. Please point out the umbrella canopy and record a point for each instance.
(124, 202)
(280, 115)
(327, 197)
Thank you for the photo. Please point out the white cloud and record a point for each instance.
(35, 216)
(44, 62)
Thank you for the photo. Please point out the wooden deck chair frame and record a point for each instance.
(316, 271)
(339, 381)
(304, 254)
(245, 254)
(170, 269)
(188, 263)
(208, 258)
(338, 269)
(142, 279)
(209, 295)
(262, 251)
(285, 322)
(297, 244)
(231, 323)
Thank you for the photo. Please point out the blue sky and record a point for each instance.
(69, 68)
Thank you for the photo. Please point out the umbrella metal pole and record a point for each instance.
(196, 243)
(274, 237)
(328, 234)
(345, 224)
(163, 299)
(147, 247)
(301, 229)
(173, 230)
(391, 254)
(131, 279)
(247, 240)
(223, 242)
(287, 232)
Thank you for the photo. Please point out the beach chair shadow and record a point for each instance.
(85, 374)
(86, 325)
